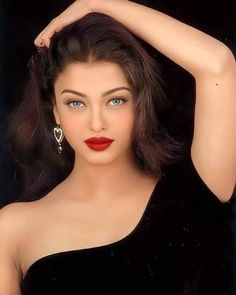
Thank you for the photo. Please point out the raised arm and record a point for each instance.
(190, 48)
(211, 63)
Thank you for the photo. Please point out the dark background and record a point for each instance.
(21, 21)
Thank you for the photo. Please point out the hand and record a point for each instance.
(75, 11)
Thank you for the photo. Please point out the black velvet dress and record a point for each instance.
(176, 248)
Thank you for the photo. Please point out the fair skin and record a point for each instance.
(214, 140)
(100, 172)
(207, 59)
(105, 194)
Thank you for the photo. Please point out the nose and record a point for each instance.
(97, 120)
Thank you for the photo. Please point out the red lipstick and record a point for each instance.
(98, 143)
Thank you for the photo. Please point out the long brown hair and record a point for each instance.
(95, 37)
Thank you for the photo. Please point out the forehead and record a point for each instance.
(91, 76)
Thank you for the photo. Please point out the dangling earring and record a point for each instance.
(58, 134)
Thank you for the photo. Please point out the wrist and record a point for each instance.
(96, 5)
(105, 6)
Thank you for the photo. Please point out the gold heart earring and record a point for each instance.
(58, 134)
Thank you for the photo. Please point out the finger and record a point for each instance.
(42, 34)
(38, 39)
(45, 36)
(39, 43)
(44, 39)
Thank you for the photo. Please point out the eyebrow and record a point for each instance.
(103, 94)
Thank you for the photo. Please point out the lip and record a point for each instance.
(99, 146)
(98, 140)
(98, 143)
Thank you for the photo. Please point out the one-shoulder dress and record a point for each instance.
(177, 247)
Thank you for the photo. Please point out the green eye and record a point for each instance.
(119, 99)
(75, 103)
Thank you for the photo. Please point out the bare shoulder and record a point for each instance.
(11, 219)
(12, 225)
(14, 219)
(18, 218)
(13, 216)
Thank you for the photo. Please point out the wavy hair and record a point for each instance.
(95, 37)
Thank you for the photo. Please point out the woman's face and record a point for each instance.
(84, 109)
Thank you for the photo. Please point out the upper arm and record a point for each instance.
(9, 272)
(213, 148)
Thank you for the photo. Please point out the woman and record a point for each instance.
(104, 217)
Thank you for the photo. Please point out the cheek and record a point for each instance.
(71, 123)
(124, 124)
(71, 126)
(68, 123)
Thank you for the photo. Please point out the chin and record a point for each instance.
(99, 158)
(103, 157)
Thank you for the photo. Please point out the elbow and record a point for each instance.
(223, 60)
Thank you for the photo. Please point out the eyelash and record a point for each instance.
(116, 98)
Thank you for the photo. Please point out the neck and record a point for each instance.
(104, 179)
